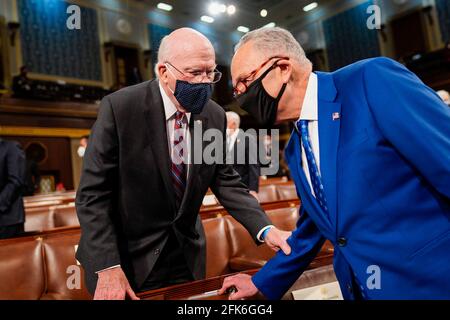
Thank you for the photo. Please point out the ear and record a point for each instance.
(285, 69)
(162, 73)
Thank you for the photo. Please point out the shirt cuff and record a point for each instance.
(113, 267)
(259, 236)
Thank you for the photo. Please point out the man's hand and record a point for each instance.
(276, 240)
(242, 283)
(112, 284)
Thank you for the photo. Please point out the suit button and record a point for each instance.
(349, 288)
(157, 251)
(342, 242)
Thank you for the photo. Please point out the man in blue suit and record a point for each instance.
(370, 157)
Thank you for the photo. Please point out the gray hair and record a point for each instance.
(163, 53)
(445, 96)
(275, 41)
(235, 117)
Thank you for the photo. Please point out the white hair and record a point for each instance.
(443, 94)
(275, 41)
(235, 117)
(163, 54)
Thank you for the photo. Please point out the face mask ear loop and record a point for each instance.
(172, 76)
(283, 88)
(261, 77)
(266, 72)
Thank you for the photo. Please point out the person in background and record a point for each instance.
(22, 85)
(267, 157)
(12, 172)
(32, 172)
(445, 96)
(83, 145)
(241, 155)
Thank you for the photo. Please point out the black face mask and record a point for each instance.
(261, 105)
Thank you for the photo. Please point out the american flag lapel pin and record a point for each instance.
(336, 116)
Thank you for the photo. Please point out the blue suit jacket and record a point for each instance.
(385, 165)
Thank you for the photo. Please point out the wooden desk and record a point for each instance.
(207, 289)
(196, 290)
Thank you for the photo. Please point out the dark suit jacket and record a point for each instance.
(248, 167)
(12, 171)
(125, 201)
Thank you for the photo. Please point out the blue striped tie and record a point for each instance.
(178, 166)
(316, 179)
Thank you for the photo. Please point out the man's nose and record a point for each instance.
(205, 78)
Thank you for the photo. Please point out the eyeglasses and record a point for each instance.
(242, 85)
(198, 76)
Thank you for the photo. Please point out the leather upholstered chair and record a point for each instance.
(21, 269)
(65, 277)
(65, 216)
(287, 192)
(218, 247)
(39, 219)
(268, 193)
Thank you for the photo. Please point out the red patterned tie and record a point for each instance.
(178, 163)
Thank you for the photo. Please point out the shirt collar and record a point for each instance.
(169, 107)
(310, 102)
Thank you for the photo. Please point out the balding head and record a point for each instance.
(233, 120)
(184, 44)
(187, 55)
(445, 96)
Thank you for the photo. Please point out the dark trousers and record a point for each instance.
(11, 231)
(170, 268)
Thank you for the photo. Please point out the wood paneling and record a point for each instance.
(409, 35)
(32, 113)
(58, 161)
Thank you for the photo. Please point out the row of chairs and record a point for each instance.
(56, 215)
(59, 198)
(43, 266)
(277, 192)
(47, 218)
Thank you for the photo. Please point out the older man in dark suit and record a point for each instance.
(242, 153)
(137, 203)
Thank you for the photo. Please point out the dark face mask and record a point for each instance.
(261, 105)
(193, 96)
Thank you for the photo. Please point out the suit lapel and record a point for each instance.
(157, 135)
(329, 130)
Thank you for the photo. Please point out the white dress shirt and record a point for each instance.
(309, 112)
(231, 139)
(170, 110)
